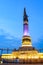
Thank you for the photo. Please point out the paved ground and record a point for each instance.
(20, 64)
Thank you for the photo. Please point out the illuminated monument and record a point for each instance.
(26, 53)
(26, 41)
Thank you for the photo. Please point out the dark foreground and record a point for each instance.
(18, 64)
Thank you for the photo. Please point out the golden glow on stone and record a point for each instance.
(22, 57)
(8, 56)
(26, 45)
(26, 41)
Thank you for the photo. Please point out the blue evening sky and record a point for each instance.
(11, 22)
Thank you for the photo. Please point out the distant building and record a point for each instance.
(26, 53)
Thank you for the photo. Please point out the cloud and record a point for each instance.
(39, 43)
(8, 41)
(1, 31)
